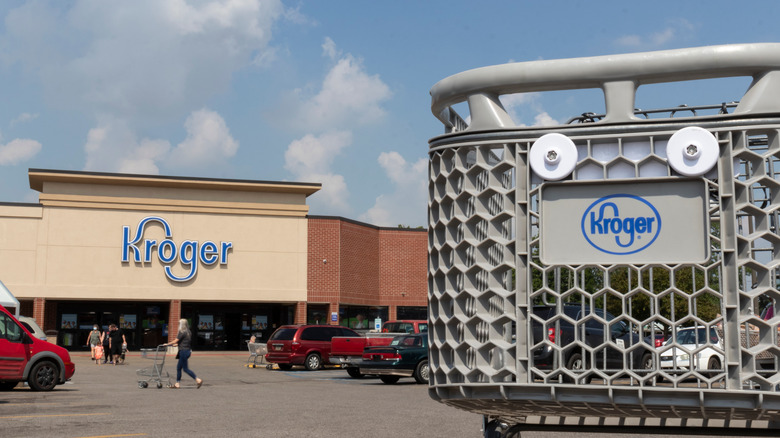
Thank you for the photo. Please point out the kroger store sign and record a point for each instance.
(190, 253)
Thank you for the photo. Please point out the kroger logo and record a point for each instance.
(607, 230)
(189, 253)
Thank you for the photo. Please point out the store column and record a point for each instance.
(300, 312)
(174, 315)
(39, 311)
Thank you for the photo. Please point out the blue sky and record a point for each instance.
(333, 92)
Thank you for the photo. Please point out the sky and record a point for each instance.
(330, 92)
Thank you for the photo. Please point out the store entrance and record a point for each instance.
(143, 324)
(228, 326)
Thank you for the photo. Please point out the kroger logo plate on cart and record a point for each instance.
(624, 222)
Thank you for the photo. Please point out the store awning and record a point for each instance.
(7, 299)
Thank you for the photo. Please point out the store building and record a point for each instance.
(235, 257)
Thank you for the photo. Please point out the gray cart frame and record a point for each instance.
(486, 274)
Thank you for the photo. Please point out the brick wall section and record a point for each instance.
(323, 261)
(366, 265)
(403, 268)
(359, 264)
(174, 315)
(300, 312)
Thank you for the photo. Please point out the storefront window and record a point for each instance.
(412, 312)
(361, 317)
(317, 314)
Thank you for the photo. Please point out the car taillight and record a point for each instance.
(659, 342)
(551, 334)
(394, 356)
(294, 346)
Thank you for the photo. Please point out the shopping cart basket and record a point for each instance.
(156, 372)
(622, 266)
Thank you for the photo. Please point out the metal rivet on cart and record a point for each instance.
(553, 156)
(692, 151)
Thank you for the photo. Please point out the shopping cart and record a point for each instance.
(156, 372)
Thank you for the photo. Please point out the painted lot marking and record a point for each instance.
(112, 436)
(53, 415)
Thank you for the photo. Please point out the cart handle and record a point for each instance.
(617, 75)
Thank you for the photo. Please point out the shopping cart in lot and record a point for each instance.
(559, 254)
(156, 371)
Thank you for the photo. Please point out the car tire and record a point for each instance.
(576, 363)
(421, 372)
(284, 366)
(355, 373)
(43, 376)
(713, 364)
(647, 364)
(313, 362)
(7, 386)
(389, 380)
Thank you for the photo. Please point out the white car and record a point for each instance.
(32, 327)
(691, 339)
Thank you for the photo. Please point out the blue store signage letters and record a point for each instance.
(602, 221)
(190, 253)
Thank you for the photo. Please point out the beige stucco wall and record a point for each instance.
(70, 247)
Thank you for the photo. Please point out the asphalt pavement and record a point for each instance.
(106, 401)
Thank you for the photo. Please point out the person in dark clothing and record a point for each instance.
(106, 350)
(116, 338)
(184, 341)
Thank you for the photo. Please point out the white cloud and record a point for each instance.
(112, 146)
(18, 150)
(348, 96)
(409, 198)
(208, 141)
(544, 119)
(677, 28)
(518, 104)
(315, 154)
(144, 59)
(23, 118)
(329, 49)
(310, 159)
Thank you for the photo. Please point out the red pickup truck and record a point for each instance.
(348, 351)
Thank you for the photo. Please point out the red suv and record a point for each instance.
(24, 357)
(307, 345)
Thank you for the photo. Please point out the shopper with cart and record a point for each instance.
(184, 341)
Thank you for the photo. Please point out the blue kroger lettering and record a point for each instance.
(629, 225)
(605, 220)
(190, 253)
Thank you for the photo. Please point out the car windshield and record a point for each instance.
(283, 334)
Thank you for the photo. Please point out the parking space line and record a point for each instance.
(112, 436)
(52, 415)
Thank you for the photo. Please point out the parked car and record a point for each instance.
(348, 351)
(32, 326)
(24, 357)
(562, 333)
(406, 356)
(307, 345)
(690, 339)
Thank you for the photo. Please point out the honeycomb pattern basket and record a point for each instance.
(486, 275)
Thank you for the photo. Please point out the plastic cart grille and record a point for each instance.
(537, 310)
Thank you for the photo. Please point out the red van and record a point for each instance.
(25, 358)
(307, 345)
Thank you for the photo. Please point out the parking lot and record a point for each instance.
(105, 400)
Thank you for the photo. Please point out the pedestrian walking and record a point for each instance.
(94, 339)
(116, 338)
(106, 346)
(184, 341)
